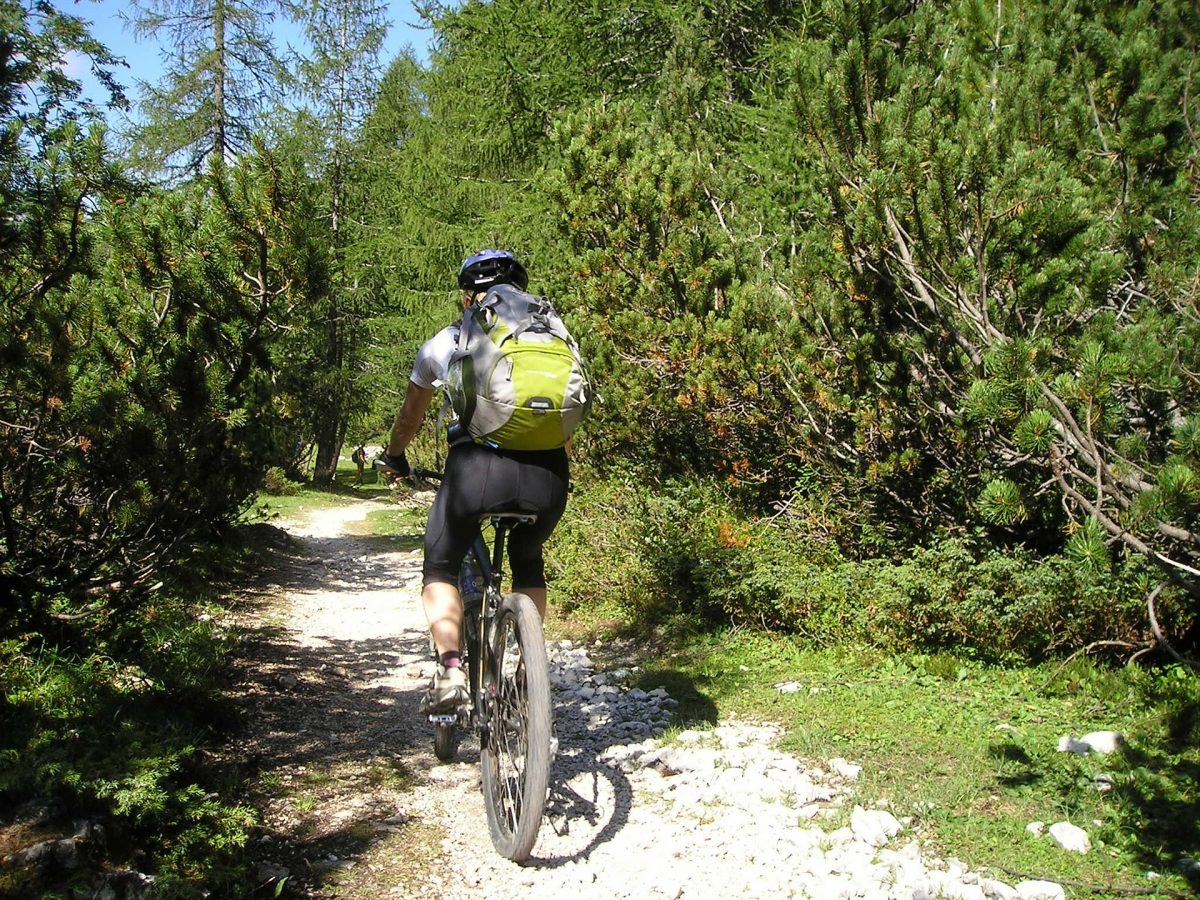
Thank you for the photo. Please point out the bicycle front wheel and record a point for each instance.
(516, 757)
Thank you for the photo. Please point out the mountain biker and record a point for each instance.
(478, 479)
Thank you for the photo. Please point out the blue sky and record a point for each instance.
(143, 58)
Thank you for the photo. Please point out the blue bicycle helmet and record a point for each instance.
(487, 267)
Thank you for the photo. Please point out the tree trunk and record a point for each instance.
(329, 439)
(219, 79)
(331, 428)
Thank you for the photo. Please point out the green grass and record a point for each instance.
(304, 498)
(403, 524)
(305, 802)
(927, 731)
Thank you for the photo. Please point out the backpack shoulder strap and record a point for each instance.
(463, 339)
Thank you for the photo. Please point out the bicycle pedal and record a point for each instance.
(442, 719)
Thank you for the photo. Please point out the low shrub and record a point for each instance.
(277, 483)
(594, 559)
(651, 555)
(118, 735)
(954, 595)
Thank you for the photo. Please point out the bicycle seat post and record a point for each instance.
(503, 523)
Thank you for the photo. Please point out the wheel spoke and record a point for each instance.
(510, 725)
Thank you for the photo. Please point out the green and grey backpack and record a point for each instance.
(516, 380)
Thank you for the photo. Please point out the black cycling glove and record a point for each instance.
(397, 463)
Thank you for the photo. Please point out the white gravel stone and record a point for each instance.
(1040, 890)
(1070, 837)
(847, 770)
(1103, 741)
(1068, 744)
(998, 890)
(874, 827)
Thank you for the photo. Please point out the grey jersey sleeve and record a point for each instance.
(429, 370)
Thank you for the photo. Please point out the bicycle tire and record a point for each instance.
(515, 760)
(444, 743)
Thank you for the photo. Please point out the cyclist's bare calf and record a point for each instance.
(443, 610)
(538, 596)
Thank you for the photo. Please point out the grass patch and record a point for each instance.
(392, 865)
(305, 802)
(283, 498)
(309, 835)
(307, 499)
(268, 507)
(969, 750)
(390, 773)
(404, 524)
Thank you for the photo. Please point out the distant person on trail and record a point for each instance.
(479, 478)
(359, 458)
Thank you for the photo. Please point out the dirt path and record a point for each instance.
(362, 808)
(335, 661)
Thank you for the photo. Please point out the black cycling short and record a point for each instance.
(480, 480)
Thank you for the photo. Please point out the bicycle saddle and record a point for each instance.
(509, 517)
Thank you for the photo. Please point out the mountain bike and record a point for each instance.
(508, 673)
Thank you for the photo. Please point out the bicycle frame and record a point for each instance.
(491, 570)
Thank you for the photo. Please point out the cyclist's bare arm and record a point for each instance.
(391, 461)
(409, 418)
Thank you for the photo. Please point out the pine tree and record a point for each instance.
(52, 172)
(1010, 188)
(340, 79)
(396, 247)
(221, 73)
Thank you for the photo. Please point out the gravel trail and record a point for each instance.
(336, 671)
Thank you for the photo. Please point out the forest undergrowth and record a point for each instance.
(949, 674)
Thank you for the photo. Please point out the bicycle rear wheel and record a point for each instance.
(516, 758)
(444, 742)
